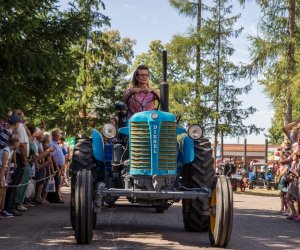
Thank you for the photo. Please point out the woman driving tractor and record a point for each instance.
(140, 97)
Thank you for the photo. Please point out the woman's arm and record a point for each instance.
(156, 91)
(129, 92)
(288, 128)
(287, 160)
(283, 172)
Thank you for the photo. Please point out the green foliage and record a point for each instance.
(178, 73)
(35, 38)
(101, 78)
(274, 55)
(219, 107)
(60, 66)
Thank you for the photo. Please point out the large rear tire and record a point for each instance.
(221, 218)
(199, 173)
(84, 207)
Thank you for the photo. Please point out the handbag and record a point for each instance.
(50, 188)
(30, 191)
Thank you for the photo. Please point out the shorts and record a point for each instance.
(40, 174)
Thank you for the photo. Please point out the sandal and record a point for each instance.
(292, 217)
(21, 208)
(297, 219)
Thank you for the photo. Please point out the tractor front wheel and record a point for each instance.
(221, 216)
(84, 207)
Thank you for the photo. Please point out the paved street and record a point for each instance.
(257, 225)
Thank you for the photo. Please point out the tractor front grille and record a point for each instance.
(140, 146)
(167, 146)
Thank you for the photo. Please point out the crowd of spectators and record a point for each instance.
(287, 175)
(33, 164)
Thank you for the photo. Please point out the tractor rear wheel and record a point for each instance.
(199, 173)
(221, 217)
(84, 207)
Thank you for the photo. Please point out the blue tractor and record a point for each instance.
(143, 160)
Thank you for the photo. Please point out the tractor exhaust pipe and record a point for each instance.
(164, 86)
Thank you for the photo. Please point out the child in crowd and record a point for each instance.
(6, 155)
(281, 179)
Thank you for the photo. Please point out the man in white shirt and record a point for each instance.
(21, 158)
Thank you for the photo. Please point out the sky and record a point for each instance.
(145, 21)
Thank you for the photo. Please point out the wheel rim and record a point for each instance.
(213, 204)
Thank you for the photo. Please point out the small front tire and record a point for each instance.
(84, 213)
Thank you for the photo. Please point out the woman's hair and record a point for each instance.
(134, 82)
(12, 139)
(47, 137)
(31, 128)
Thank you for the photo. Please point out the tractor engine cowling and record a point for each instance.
(152, 143)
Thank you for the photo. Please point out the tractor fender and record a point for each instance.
(187, 149)
(98, 145)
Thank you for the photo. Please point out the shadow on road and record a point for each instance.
(141, 228)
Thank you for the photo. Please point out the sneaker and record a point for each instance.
(6, 214)
(15, 213)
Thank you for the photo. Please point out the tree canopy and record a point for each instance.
(58, 63)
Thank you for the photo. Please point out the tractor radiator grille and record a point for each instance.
(140, 146)
(167, 146)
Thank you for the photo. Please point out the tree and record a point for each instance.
(193, 9)
(274, 54)
(225, 113)
(34, 53)
(58, 64)
(100, 81)
(179, 72)
(218, 99)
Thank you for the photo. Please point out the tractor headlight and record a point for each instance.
(195, 132)
(109, 131)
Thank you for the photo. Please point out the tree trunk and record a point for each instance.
(198, 64)
(218, 80)
(290, 61)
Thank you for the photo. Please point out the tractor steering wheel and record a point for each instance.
(142, 104)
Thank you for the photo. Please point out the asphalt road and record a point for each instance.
(257, 225)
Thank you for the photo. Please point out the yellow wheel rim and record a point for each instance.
(213, 203)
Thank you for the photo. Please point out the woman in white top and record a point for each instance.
(6, 155)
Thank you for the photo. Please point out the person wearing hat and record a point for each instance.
(22, 154)
(13, 123)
